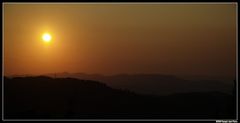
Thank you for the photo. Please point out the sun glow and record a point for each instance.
(46, 37)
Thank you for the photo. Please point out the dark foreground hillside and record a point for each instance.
(68, 98)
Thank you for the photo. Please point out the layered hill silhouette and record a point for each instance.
(68, 98)
(154, 84)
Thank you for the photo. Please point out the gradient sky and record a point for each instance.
(121, 38)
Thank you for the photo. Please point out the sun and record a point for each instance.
(46, 37)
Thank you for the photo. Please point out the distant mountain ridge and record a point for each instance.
(43, 97)
(154, 84)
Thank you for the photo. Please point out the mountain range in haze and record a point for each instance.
(154, 84)
(42, 97)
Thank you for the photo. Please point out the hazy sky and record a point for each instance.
(121, 38)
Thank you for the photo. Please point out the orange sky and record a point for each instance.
(179, 39)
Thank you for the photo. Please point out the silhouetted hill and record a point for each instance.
(45, 97)
(156, 84)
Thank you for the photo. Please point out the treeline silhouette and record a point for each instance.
(67, 98)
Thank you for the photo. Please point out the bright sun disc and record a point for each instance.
(46, 37)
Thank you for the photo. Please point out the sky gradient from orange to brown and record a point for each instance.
(179, 39)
